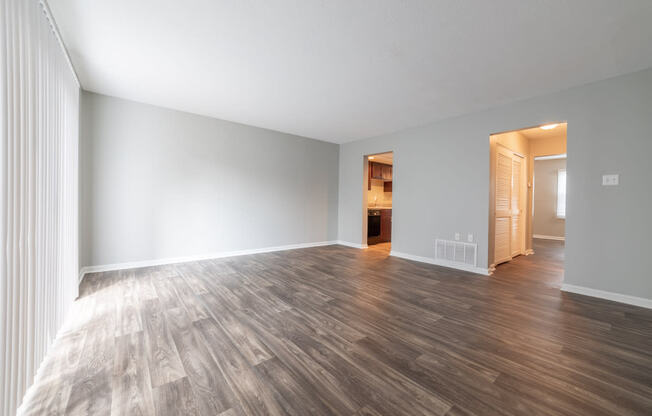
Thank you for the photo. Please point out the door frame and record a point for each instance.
(529, 196)
(365, 178)
(522, 206)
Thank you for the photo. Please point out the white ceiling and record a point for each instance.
(537, 133)
(386, 158)
(341, 70)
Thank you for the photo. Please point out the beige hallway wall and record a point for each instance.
(554, 145)
(544, 220)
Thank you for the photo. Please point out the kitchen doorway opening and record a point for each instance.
(377, 201)
(527, 203)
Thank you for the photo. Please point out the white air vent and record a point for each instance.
(456, 252)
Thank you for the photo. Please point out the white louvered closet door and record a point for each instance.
(509, 238)
(39, 99)
(503, 212)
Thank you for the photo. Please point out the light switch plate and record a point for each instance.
(457, 236)
(610, 180)
(470, 238)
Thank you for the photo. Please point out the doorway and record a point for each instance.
(527, 207)
(377, 202)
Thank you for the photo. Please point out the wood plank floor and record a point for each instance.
(336, 330)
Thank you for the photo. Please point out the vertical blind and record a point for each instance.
(39, 99)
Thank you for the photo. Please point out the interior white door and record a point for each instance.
(503, 206)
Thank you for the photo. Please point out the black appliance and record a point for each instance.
(373, 223)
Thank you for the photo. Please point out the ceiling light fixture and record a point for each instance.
(549, 126)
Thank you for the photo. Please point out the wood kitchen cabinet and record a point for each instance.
(384, 235)
(376, 171)
(385, 225)
(380, 171)
(369, 176)
(387, 172)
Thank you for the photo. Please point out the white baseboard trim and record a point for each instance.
(548, 237)
(430, 260)
(349, 244)
(616, 297)
(185, 259)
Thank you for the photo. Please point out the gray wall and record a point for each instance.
(441, 180)
(158, 183)
(545, 221)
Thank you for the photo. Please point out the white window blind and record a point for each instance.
(39, 118)
(561, 193)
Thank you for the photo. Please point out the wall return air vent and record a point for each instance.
(456, 252)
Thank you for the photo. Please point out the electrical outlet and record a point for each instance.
(610, 180)
(470, 238)
(457, 236)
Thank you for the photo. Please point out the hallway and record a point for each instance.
(545, 266)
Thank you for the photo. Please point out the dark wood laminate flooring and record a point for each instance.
(336, 330)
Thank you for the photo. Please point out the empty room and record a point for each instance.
(365, 207)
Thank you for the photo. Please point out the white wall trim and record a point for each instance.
(349, 244)
(443, 263)
(549, 237)
(185, 259)
(616, 297)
